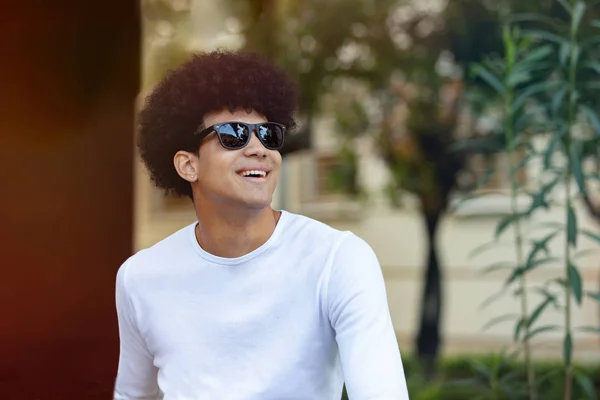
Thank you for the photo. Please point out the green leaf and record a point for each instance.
(524, 122)
(497, 320)
(566, 5)
(590, 329)
(539, 199)
(505, 222)
(548, 375)
(491, 299)
(590, 235)
(593, 296)
(534, 89)
(595, 66)
(517, 272)
(595, 23)
(554, 142)
(507, 378)
(571, 226)
(517, 77)
(567, 348)
(578, 11)
(550, 225)
(482, 248)
(539, 330)
(584, 252)
(486, 177)
(575, 282)
(544, 35)
(481, 369)
(511, 390)
(539, 245)
(563, 54)
(585, 383)
(534, 66)
(557, 99)
(576, 150)
(576, 53)
(489, 78)
(520, 324)
(537, 312)
(537, 54)
(559, 281)
(592, 117)
(509, 44)
(544, 292)
(498, 265)
(495, 66)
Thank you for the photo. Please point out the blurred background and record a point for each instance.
(459, 138)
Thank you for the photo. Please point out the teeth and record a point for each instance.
(254, 172)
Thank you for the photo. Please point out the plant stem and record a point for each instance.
(568, 369)
(512, 166)
(571, 120)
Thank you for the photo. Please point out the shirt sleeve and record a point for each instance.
(359, 314)
(136, 375)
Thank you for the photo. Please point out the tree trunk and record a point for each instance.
(428, 338)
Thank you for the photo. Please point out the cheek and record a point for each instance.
(277, 159)
(214, 165)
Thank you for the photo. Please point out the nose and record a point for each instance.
(255, 148)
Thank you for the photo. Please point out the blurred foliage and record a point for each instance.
(469, 377)
(547, 83)
(166, 30)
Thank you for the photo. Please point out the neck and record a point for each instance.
(230, 232)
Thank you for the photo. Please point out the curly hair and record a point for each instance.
(205, 83)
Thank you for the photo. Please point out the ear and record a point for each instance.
(185, 164)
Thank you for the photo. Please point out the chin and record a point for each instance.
(258, 204)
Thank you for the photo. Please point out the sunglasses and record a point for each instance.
(236, 135)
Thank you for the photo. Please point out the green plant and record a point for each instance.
(511, 80)
(492, 376)
(544, 82)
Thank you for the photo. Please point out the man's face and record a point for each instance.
(220, 171)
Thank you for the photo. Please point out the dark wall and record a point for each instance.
(69, 74)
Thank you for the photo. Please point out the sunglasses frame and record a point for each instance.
(252, 127)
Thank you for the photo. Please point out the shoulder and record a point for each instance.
(313, 231)
(341, 245)
(153, 261)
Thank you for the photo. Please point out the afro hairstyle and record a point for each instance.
(207, 82)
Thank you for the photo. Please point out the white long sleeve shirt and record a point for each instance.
(292, 320)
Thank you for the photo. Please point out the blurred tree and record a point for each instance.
(166, 29)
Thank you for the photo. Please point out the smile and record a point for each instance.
(254, 174)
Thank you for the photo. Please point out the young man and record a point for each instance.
(248, 302)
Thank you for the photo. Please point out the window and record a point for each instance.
(329, 177)
(325, 175)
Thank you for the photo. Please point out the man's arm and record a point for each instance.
(136, 375)
(359, 314)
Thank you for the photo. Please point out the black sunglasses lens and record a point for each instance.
(271, 135)
(233, 136)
